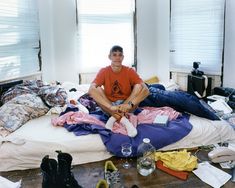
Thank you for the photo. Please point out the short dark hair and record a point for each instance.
(116, 48)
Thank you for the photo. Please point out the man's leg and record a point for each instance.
(101, 94)
(135, 91)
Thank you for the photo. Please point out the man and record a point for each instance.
(118, 89)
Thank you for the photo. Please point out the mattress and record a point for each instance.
(204, 132)
(25, 148)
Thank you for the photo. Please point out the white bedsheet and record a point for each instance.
(204, 132)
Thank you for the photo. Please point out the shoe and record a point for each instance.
(102, 184)
(49, 171)
(64, 175)
(112, 175)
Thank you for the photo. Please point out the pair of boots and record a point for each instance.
(58, 174)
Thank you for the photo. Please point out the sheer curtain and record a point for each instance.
(197, 29)
(102, 24)
(19, 38)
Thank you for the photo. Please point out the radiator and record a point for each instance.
(86, 78)
(181, 79)
(34, 76)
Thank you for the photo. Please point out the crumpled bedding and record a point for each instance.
(26, 101)
(72, 117)
(160, 136)
(51, 95)
(19, 110)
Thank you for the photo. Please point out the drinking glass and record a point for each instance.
(126, 151)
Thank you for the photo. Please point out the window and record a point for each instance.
(197, 29)
(102, 24)
(19, 38)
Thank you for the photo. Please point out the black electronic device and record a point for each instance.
(199, 86)
(195, 70)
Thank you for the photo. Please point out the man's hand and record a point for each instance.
(114, 108)
(124, 108)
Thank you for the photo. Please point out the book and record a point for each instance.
(161, 119)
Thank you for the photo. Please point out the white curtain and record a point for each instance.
(196, 34)
(19, 38)
(102, 24)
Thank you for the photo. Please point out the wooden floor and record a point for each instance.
(89, 174)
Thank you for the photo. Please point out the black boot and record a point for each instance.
(49, 172)
(65, 176)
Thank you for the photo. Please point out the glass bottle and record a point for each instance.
(145, 157)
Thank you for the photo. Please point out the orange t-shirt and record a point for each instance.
(117, 86)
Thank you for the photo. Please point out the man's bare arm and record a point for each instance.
(139, 93)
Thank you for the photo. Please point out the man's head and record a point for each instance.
(116, 55)
(116, 48)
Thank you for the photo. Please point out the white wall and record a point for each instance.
(57, 21)
(229, 53)
(153, 38)
(58, 29)
(47, 39)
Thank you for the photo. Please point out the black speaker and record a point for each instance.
(199, 86)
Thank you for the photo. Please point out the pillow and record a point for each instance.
(53, 95)
(152, 80)
(19, 110)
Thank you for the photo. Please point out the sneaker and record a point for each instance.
(102, 184)
(112, 175)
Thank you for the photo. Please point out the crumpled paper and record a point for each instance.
(211, 175)
(5, 183)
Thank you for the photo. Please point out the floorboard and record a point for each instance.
(89, 174)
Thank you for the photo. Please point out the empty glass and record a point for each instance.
(126, 151)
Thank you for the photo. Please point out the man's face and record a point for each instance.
(116, 58)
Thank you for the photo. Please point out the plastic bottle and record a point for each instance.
(146, 159)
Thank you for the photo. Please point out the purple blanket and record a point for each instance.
(160, 136)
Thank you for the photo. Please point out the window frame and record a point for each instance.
(20, 57)
(207, 69)
(134, 25)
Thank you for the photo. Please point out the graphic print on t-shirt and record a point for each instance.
(116, 89)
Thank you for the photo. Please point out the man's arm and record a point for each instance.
(139, 93)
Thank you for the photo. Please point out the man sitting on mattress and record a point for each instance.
(118, 89)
